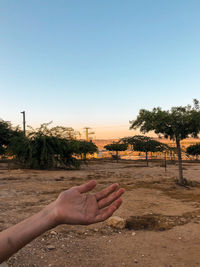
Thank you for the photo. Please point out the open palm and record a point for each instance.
(75, 207)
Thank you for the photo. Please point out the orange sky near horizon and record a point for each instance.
(112, 132)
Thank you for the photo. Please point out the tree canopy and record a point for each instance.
(43, 149)
(144, 144)
(85, 147)
(7, 132)
(177, 123)
(116, 146)
(194, 150)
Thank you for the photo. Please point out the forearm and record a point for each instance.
(17, 236)
(71, 207)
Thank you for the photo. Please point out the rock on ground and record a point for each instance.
(116, 222)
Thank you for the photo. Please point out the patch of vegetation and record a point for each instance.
(43, 148)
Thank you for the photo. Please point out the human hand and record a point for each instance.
(74, 207)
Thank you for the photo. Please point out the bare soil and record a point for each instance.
(163, 218)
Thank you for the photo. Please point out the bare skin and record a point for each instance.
(72, 206)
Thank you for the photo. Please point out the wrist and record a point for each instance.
(50, 215)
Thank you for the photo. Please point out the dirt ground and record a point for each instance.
(163, 219)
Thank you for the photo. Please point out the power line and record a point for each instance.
(111, 126)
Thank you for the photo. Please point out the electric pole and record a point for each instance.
(87, 133)
(24, 122)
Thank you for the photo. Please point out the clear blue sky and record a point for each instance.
(96, 63)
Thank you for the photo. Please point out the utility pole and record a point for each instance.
(24, 122)
(87, 133)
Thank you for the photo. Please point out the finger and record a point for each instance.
(111, 198)
(105, 192)
(107, 212)
(87, 186)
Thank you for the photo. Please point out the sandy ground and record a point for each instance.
(163, 218)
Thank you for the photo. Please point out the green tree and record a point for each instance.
(85, 147)
(116, 147)
(65, 132)
(5, 135)
(20, 148)
(177, 123)
(7, 132)
(144, 144)
(194, 150)
(43, 148)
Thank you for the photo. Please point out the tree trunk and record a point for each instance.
(147, 159)
(179, 161)
(165, 161)
(171, 155)
(117, 156)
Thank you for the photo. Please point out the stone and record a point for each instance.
(116, 222)
(50, 247)
(53, 233)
